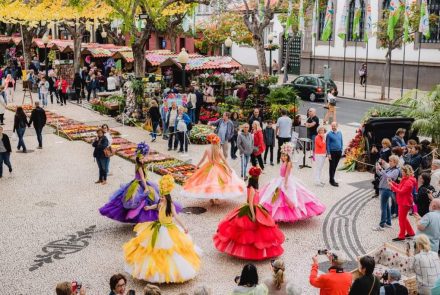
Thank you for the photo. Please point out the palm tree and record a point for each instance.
(425, 110)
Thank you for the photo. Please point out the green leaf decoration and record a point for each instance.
(245, 210)
(131, 190)
(155, 226)
(275, 195)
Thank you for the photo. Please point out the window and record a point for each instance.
(434, 27)
(351, 21)
(311, 81)
(299, 81)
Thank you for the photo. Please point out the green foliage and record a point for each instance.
(384, 112)
(282, 95)
(425, 109)
(233, 101)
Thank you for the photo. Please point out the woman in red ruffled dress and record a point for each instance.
(249, 232)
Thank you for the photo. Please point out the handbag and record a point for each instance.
(372, 286)
(108, 151)
(189, 105)
(148, 125)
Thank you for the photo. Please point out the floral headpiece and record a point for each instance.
(142, 149)
(166, 184)
(213, 139)
(287, 148)
(255, 172)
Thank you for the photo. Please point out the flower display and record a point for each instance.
(354, 151)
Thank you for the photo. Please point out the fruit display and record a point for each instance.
(199, 132)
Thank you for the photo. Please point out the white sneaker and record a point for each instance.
(387, 226)
(379, 228)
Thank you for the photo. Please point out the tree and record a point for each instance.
(217, 28)
(257, 16)
(73, 15)
(154, 15)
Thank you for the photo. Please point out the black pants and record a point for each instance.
(197, 115)
(183, 140)
(260, 161)
(335, 157)
(281, 141)
(39, 130)
(63, 97)
(234, 147)
(363, 79)
(56, 96)
(172, 136)
(78, 94)
(2, 118)
(269, 148)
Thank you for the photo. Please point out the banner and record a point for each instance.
(328, 22)
(368, 27)
(289, 21)
(393, 17)
(343, 23)
(315, 20)
(357, 19)
(424, 20)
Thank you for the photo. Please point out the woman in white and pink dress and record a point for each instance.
(285, 197)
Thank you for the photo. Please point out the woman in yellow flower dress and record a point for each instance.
(162, 252)
(214, 179)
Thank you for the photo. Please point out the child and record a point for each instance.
(269, 141)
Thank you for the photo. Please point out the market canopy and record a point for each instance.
(127, 56)
(204, 63)
(54, 44)
(9, 40)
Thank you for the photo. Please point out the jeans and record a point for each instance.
(103, 163)
(172, 136)
(183, 140)
(281, 141)
(43, 98)
(404, 224)
(4, 158)
(269, 148)
(234, 146)
(385, 210)
(192, 115)
(39, 136)
(154, 131)
(89, 92)
(335, 157)
(394, 207)
(20, 133)
(244, 162)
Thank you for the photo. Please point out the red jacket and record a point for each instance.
(64, 85)
(404, 190)
(259, 142)
(331, 283)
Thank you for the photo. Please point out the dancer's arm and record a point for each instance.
(152, 207)
(288, 168)
(176, 217)
(141, 173)
(251, 204)
(205, 154)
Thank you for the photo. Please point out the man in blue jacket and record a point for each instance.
(334, 151)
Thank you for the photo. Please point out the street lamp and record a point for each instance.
(183, 58)
(45, 40)
(270, 39)
(228, 45)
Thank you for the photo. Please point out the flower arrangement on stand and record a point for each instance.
(354, 152)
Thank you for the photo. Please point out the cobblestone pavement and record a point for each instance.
(51, 199)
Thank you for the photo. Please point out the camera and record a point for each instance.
(237, 279)
(385, 276)
(76, 287)
(322, 252)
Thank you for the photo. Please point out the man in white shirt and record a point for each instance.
(170, 124)
(435, 174)
(283, 131)
(111, 83)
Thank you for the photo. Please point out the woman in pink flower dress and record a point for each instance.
(285, 197)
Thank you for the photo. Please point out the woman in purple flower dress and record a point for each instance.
(127, 204)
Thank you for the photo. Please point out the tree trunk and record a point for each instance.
(77, 32)
(139, 59)
(261, 56)
(286, 61)
(27, 36)
(173, 42)
(384, 73)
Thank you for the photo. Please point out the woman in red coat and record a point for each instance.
(259, 146)
(62, 86)
(404, 198)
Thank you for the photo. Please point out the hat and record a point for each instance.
(142, 149)
(213, 139)
(166, 184)
(255, 172)
(287, 148)
(394, 274)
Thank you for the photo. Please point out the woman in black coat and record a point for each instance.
(155, 117)
(100, 144)
(20, 123)
(423, 200)
(78, 85)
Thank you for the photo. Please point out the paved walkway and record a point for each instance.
(51, 194)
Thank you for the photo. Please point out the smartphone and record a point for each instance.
(131, 292)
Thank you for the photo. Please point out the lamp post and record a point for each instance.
(45, 42)
(104, 36)
(183, 58)
(270, 39)
(228, 45)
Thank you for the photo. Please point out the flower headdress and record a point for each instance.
(166, 184)
(142, 149)
(255, 172)
(287, 148)
(213, 139)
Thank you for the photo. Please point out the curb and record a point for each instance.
(366, 100)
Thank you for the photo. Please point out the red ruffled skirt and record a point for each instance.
(239, 236)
